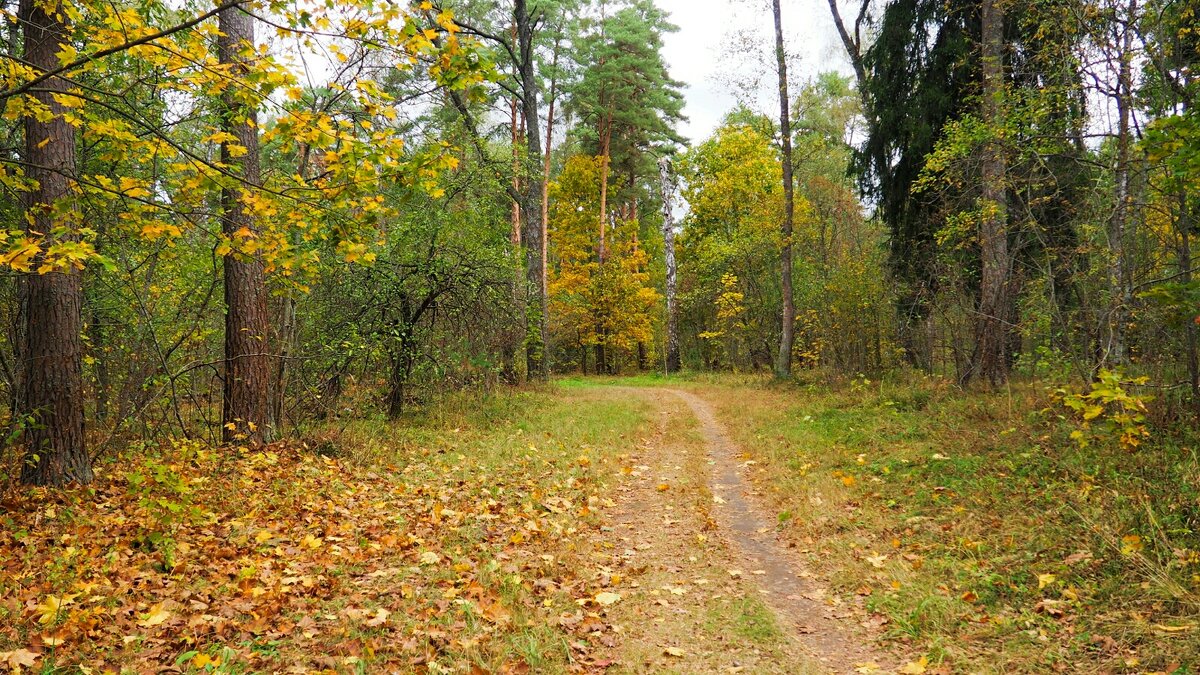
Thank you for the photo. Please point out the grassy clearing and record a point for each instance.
(442, 544)
(972, 521)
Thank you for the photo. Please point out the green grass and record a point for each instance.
(972, 500)
(747, 617)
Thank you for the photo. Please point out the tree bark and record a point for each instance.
(1116, 351)
(605, 147)
(246, 409)
(536, 302)
(52, 353)
(783, 365)
(668, 193)
(546, 169)
(990, 361)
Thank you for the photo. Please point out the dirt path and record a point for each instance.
(824, 630)
(705, 585)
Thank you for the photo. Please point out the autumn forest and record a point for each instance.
(471, 337)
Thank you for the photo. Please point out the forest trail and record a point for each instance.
(721, 592)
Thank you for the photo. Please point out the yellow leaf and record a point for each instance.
(1045, 580)
(430, 558)
(154, 617)
(674, 651)
(915, 667)
(1130, 544)
(52, 607)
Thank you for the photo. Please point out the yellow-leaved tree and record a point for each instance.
(605, 307)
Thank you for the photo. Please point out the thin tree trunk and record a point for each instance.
(52, 354)
(546, 169)
(1184, 227)
(605, 142)
(246, 410)
(289, 330)
(783, 365)
(668, 193)
(1118, 274)
(989, 360)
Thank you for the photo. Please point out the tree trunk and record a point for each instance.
(783, 365)
(536, 324)
(52, 353)
(546, 170)
(246, 411)
(668, 193)
(1184, 227)
(1118, 274)
(990, 361)
(289, 329)
(605, 143)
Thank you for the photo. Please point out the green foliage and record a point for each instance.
(1120, 413)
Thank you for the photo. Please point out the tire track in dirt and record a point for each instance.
(788, 588)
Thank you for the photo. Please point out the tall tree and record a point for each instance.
(52, 369)
(990, 360)
(668, 231)
(783, 363)
(246, 410)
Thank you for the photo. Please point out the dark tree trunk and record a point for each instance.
(783, 365)
(990, 360)
(536, 301)
(246, 410)
(52, 353)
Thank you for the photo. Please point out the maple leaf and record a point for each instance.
(154, 617)
(19, 657)
(1045, 580)
(51, 608)
(915, 667)
(607, 598)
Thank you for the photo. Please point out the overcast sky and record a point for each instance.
(724, 52)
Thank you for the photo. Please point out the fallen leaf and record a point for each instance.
(674, 651)
(607, 598)
(19, 657)
(915, 667)
(154, 617)
(1130, 544)
(1045, 580)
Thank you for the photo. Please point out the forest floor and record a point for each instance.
(632, 525)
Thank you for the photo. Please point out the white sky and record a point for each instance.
(720, 66)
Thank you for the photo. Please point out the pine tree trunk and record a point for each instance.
(246, 410)
(668, 192)
(990, 361)
(783, 365)
(52, 353)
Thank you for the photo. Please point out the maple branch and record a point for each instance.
(84, 60)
